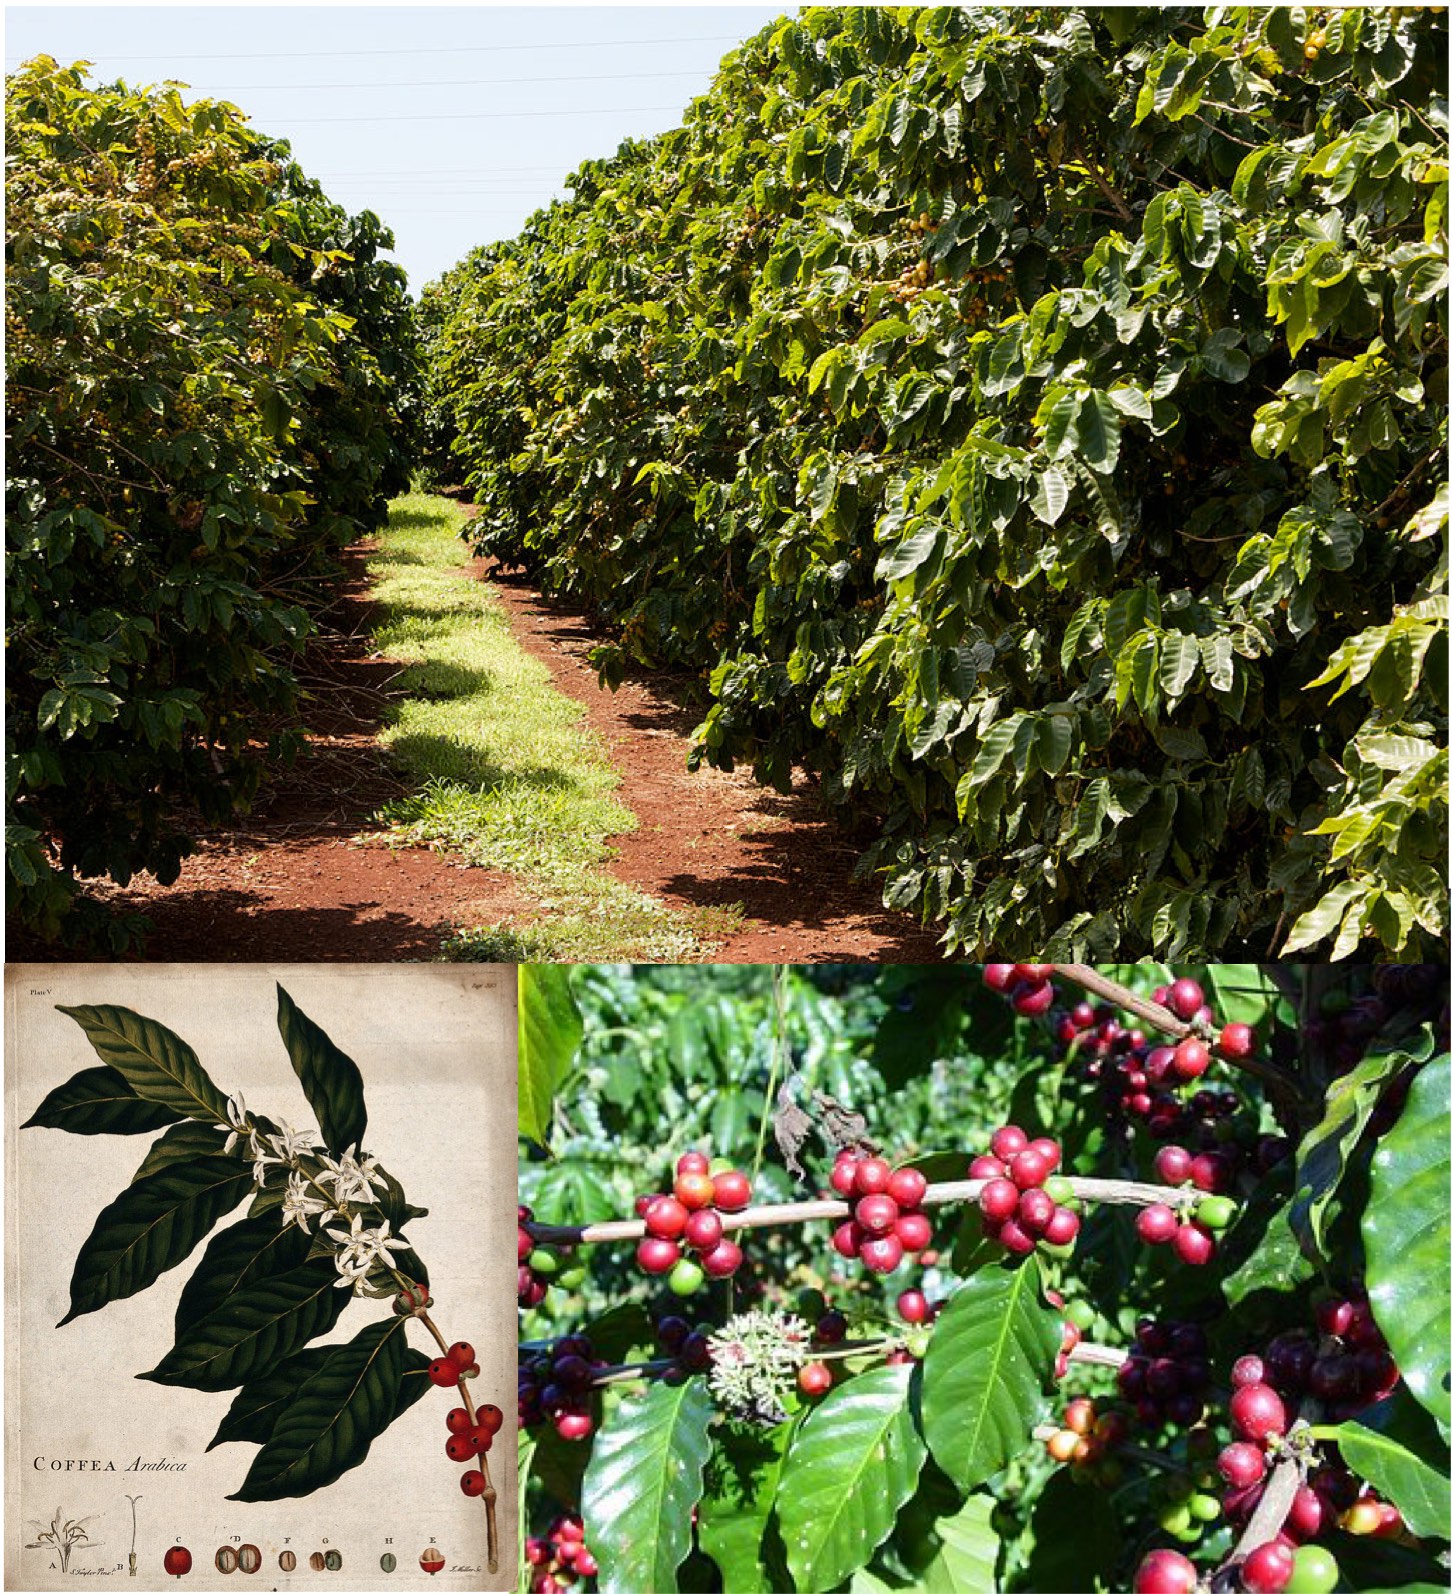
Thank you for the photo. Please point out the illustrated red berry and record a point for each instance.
(657, 1256)
(870, 1177)
(491, 1419)
(460, 1447)
(443, 1372)
(693, 1162)
(461, 1353)
(815, 1378)
(1157, 1224)
(1165, 1572)
(915, 1230)
(1192, 1058)
(666, 1218)
(881, 1254)
(458, 1421)
(483, 1439)
(1184, 998)
(733, 1191)
(1008, 1142)
(998, 1199)
(695, 1190)
(472, 1483)
(703, 1230)
(722, 1260)
(1194, 1244)
(876, 1213)
(1256, 1411)
(1267, 1569)
(907, 1187)
(1172, 1164)
(1236, 1042)
(178, 1560)
(912, 1307)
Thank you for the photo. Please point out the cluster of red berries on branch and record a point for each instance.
(469, 1436)
(886, 1222)
(1022, 1202)
(559, 1559)
(558, 1385)
(685, 1239)
(1026, 985)
(1189, 1225)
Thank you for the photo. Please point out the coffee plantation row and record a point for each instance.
(1031, 423)
(211, 380)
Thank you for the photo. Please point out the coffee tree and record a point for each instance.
(1031, 423)
(1035, 1278)
(209, 377)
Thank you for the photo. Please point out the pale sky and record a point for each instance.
(453, 123)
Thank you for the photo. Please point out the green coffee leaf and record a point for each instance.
(98, 1101)
(330, 1078)
(157, 1064)
(549, 1033)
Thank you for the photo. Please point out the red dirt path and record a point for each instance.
(291, 882)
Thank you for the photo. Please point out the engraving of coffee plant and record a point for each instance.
(324, 1226)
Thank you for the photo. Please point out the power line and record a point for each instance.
(426, 49)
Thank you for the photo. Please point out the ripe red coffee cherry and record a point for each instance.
(1236, 1042)
(443, 1372)
(461, 1354)
(876, 1213)
(1194, 1244)
(178, 1560)
(1267, 1569)
(907, 1187)
(987, 1168)
(1157, 1224)
(1033, 1001)
(1308, 1516)
(1256, 1411)
(915, 1231)
(1008, 1142)
(1192, 1058)
(1184, 998)
(695, 1190)
(472, 1483)
(912, 1307)
(844, 1176)
(703, 1230)
(1015, 1238)
(1033, 971)
(1211, 1172)
(722, 1260)
(1035, 1208)
(666, 1218)
(693, 1162)
(1241, 1464)
(458, 1421)
(574, 1425)
(460, 1447)
(1172, 1164)
(1047, 1149)
(1030, 1168)
(1063, 1227)
(733, 1191)
(999, 976)
(847, 1238)
(491, 1419)
(881, 1254)
(1165, 1572)
(998, 1199)
(657, 1256)
(1335, 1317)
(870, 1177)
(1247, 1370)
(526, 1245)
(815, 1378)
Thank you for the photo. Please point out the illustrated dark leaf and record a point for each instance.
(151, 1226)
(336, 1415)
(258, 1326)
(157, 1064)
(986, 1373)
(241, 1255)
(183, 1142)
(1407, 1230)
(254, 1412)
(330, 1078)
(852, 1466)
(549, 1033)
(98, 1101)
(643, 1482)
(413, 1384)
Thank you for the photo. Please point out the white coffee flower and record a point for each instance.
(236, 1125)
(290, 1144)
(352, 1178)
(298, 1206)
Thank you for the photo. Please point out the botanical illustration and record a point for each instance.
(325, 1225)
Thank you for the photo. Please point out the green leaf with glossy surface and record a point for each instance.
(1408, 1237)
(987, 1371)
(98, 1101)
(1395, 1446)
(549, 1034)
(330, 1078)
(741, 1490)
(967, 1559)
(157, 1063)
(852, 1466)
(642, 1484)
(336, 1415)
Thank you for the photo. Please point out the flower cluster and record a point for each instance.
(755, 1359)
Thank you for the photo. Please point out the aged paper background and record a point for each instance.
(436, 1048)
